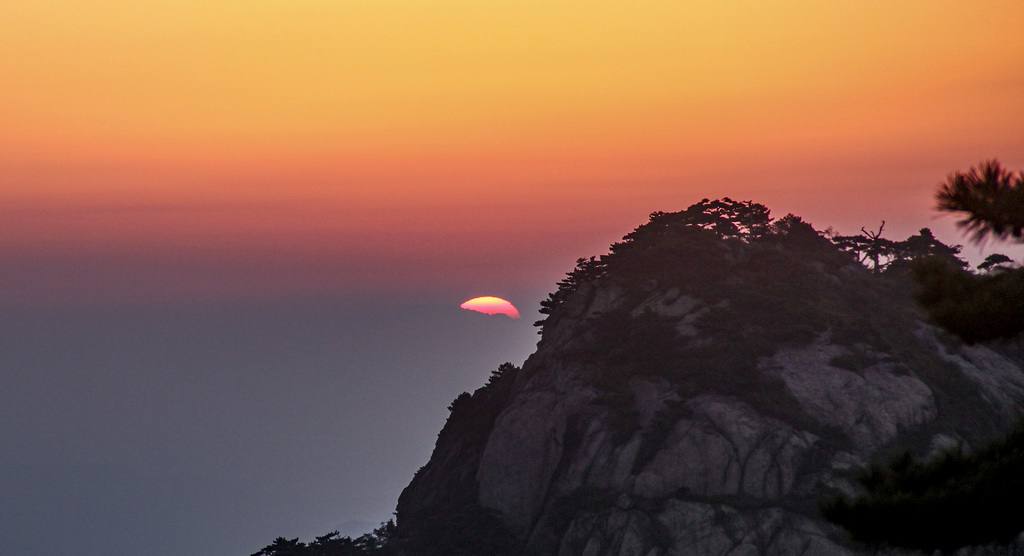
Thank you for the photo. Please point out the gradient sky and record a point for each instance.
(165, 164)
(323, 142)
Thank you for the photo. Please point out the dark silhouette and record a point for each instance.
(951, 501)
(989, 199)
(881, 254)
(333, 544)
(974, 307)
(978, 307)
(956, 500)
(995, 261)
(871, 249)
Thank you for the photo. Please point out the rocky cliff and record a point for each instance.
(699, 390)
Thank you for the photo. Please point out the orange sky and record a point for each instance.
(317, 145)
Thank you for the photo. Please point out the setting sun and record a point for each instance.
(491, 306)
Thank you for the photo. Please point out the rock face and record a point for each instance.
(707, 406)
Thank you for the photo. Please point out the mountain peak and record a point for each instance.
(698, 390)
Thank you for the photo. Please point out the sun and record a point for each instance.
(492, 306)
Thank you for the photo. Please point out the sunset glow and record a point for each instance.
(491, 306)
(270, 148)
